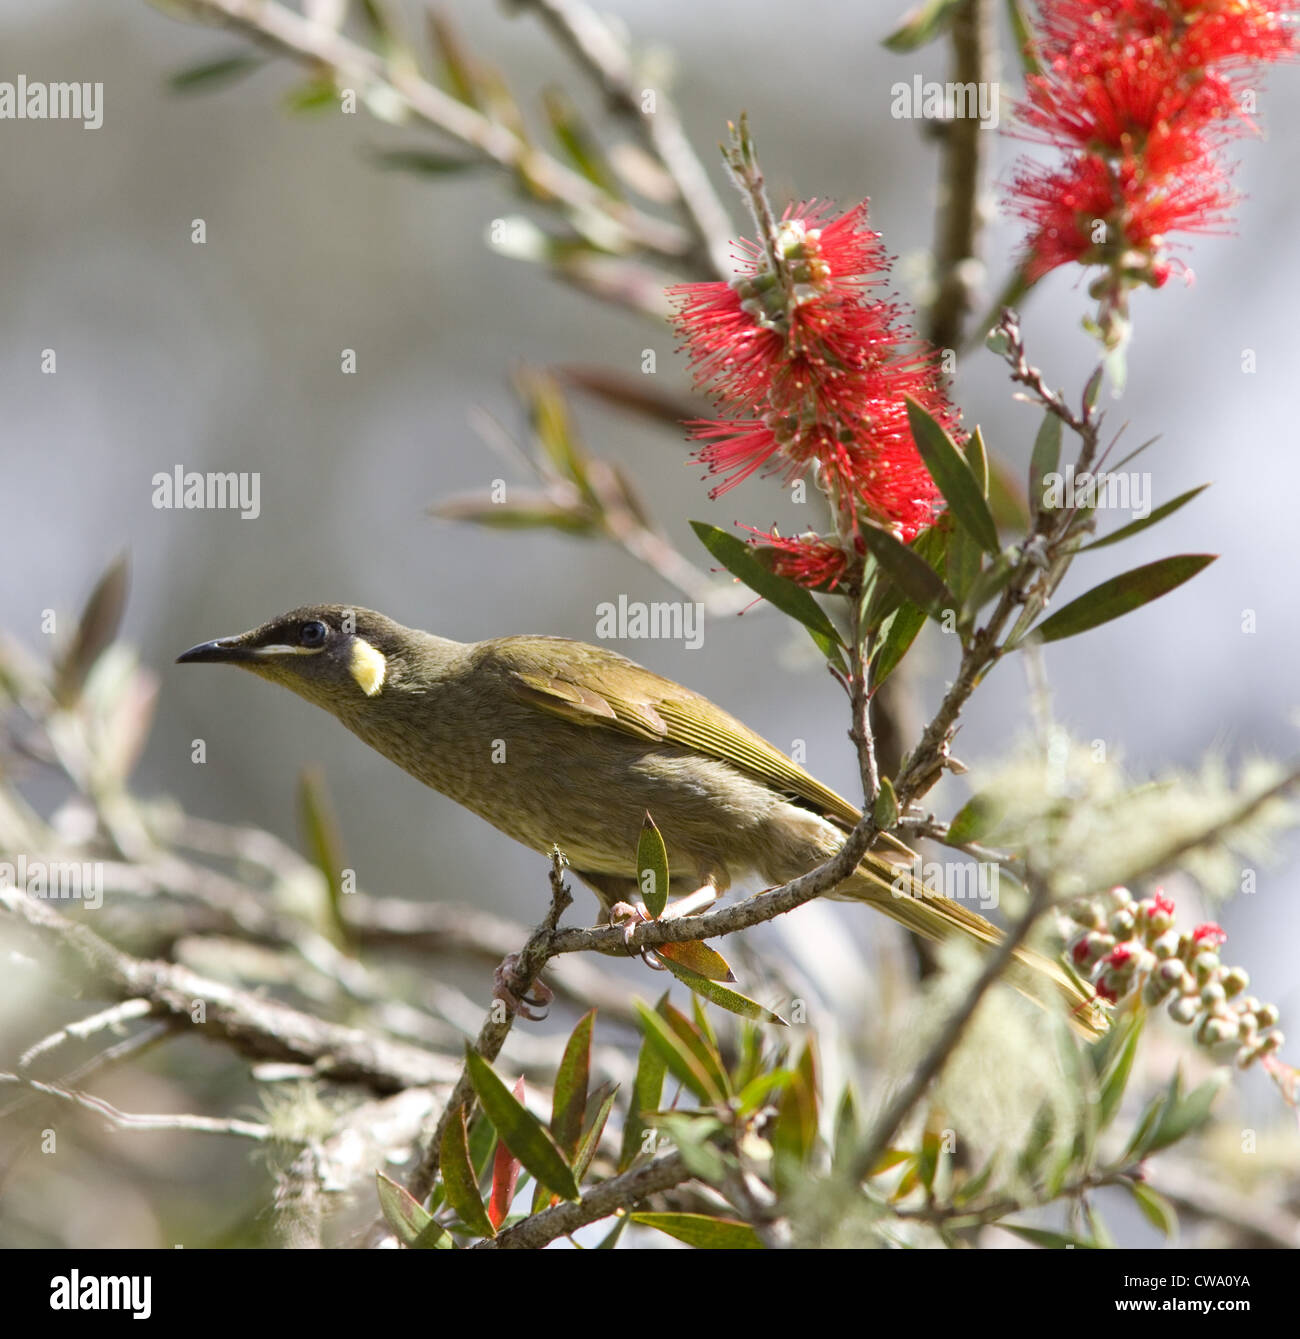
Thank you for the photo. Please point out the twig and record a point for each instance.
(589, 38)
(517, 978)
(316, 44)
(912, 1092)
(260, 1028)
(112, 1017)
(126, 1120)
(610, 1196)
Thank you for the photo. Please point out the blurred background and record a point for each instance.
(226, 356)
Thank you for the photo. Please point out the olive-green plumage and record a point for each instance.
(558, 743)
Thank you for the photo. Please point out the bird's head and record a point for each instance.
(340, 657)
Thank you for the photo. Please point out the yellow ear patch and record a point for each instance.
(368, 666)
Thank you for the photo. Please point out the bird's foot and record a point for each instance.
(534, 997)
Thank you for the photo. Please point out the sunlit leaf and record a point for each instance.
(652, 867)
(954, 477)
(703, 1232)
(460, 1181)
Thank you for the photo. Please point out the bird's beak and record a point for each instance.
(225, 651)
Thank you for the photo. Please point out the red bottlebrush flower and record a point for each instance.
(807, 371)
(1163, 903)
(1141, 94)
(809, 560)
(1209, 935)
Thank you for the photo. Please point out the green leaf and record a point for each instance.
(953, 475)
(977, 457)
(412, 1225)
(459, 1178)
(1182, 1116)
(647, 1090)
(1023, 33)
(1155, 1208)
(652, 867)
(569, 1101)
(604, 1102)
(1092, 391)
(313, 95)
(324, 842)
(973, 1186)
(847, 1134)
(681, 1058)
(1120, 595)
(736, 556)
(1158, 514)
(900, 631)
(723, 996)
(990, 583)
(1114, 1078)
(703, 1232)
(885, 812)
(921, 25)
(697, 956)
(794, 1133)
(693, 1134)
(914, 576)
(577, 141)
(525, 1136)
(1046, 459)
(214, 74)
(96, 629)
(975, 819)
(1056, 1241)
(422, 162)
(756, 1092)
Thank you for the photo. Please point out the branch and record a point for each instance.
(912, 1092)
(592, 43)
(315, 44)
(618, 1192)
(259, 1028)
(126, 1120)
(519, 974)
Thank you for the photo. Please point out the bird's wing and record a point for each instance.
(639, 702)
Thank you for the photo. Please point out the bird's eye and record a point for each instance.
(313, 634)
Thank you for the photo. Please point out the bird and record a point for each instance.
(562, 744)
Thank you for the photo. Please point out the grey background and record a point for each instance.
(226, 356)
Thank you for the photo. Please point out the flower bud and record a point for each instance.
(1235, 980)
(1184, 1009)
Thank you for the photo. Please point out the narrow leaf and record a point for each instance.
(411, 1223)
(886, 809)
(953, 475)
(1155, 1208)
(921, 25)
(526, 1137)
(681, 1058)
(723, 996)
(703, 1232)
(1120, 595)
(96, 629)
(647, 1090)
(1046, 459)
(698, 957)
(1055, 1241)
(652, 867)
(1133, 527)
(569, 1102)
(900, 632)
(459, 1179)
(214, 74)
(913, 575)
(736, 556)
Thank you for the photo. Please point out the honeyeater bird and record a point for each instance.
(558, 743)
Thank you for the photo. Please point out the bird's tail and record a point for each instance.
(894, 889)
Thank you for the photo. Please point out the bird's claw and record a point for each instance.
(536, 997)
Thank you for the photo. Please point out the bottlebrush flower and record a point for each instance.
(1141, 95)
(810, 560)
(806, 370)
